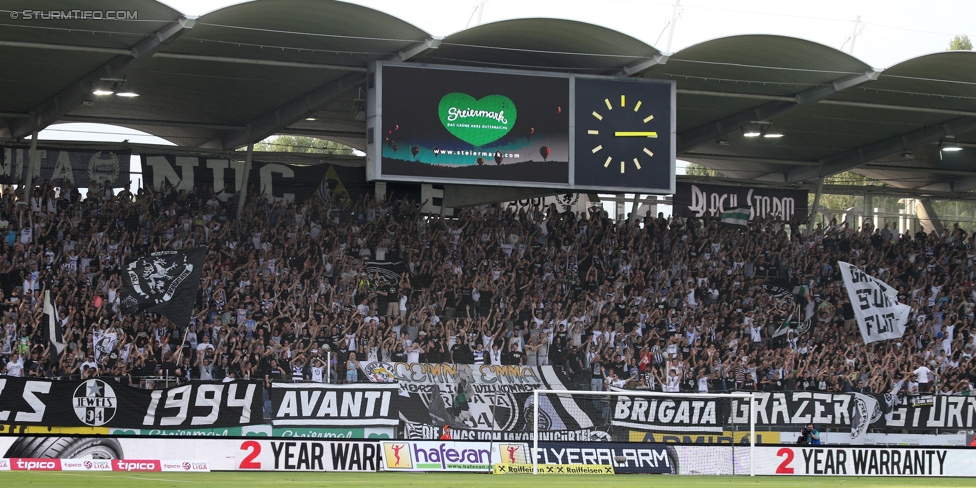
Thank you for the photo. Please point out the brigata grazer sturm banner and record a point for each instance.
(853, 412)
(98, 402)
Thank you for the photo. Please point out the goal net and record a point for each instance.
(648, 431)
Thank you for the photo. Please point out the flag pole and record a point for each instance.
(179, 358)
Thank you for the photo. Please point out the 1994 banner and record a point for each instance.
(96, 403)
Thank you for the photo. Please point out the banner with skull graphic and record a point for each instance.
(164, 282)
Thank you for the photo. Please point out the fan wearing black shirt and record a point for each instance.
(388, 295)
(514, 357)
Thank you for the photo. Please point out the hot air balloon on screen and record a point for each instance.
(498, 157)
(544, 151)
(396, 148)
(481, 161)
(529, 134)
(414, 150)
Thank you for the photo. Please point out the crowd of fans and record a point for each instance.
(288, 294)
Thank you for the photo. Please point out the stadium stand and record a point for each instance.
(664, 304)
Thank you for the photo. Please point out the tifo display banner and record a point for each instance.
(864, 461)
(876, 308)
(694, 199)
(488, 402)
(287, 181)
(142, 454)
(623, 457)
(79, 166)
(316, 404)
(96, 403)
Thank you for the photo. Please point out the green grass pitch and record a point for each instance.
(452, 480)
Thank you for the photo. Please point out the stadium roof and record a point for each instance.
(248, 71)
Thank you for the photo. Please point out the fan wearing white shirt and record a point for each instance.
(15, 367)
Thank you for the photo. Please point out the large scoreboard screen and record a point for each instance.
(439, 124)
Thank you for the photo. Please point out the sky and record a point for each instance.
(890, 31)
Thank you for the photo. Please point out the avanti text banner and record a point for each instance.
(322, 405)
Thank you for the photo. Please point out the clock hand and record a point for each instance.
(636, 134)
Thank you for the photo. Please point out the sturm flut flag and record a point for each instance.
(876, 308)
(164, 282)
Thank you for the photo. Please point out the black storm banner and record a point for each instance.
(78, 166)
(320, 405)
(693, 200)
(163, 282)
(96, 403)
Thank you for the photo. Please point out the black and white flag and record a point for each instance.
(164, 282)
(876, 307)
(53, 328)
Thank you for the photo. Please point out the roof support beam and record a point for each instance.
(66, 47)
(702, 134)
(298, 109)
(955, 185)
(928, 216)
(858, 156)
(842, 103)
(52, 109)
(428, 44)
(691, 157)
(258, 62)
(638, 68)
(319, 134)
(126, 122)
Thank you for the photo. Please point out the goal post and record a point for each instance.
(612, 402)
